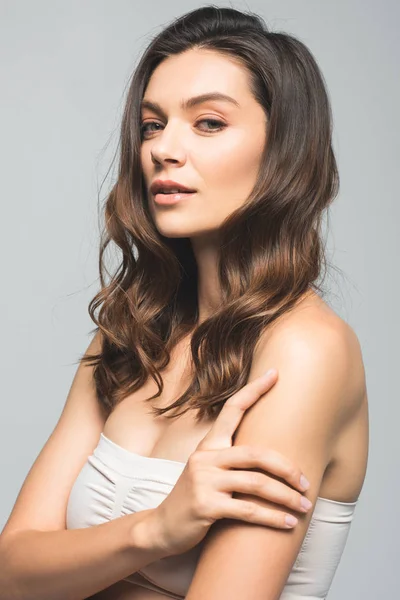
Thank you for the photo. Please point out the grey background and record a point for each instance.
(64, 71)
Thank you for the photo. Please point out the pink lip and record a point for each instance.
(168, 183)
(168, 199)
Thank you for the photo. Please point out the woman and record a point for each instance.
(174, 461)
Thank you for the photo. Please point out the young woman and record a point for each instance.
(175, 461)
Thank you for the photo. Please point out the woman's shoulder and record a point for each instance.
(310, 311)
(313, 318)
(316, 410)
(312, 326)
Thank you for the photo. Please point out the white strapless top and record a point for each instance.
(115, 482)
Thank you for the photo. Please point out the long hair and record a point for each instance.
(271, 250)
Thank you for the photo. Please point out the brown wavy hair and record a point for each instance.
(271, 251)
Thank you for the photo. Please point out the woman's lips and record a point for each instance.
(172, 198)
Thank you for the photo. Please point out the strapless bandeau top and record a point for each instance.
(114, 482)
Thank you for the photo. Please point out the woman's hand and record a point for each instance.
(203, 492)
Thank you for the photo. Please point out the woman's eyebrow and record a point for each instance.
(190, 102)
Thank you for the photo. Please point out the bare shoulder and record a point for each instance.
(315, 413)
(314, 327)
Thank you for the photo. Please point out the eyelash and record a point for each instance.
(215, 121)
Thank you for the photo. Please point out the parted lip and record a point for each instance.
(167, 184)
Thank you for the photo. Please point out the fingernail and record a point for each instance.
(305, 502)
(304, 482)
(269, 373)
(291, 520)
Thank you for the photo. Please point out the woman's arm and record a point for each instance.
(39, 558)
(319, 389)
(75, 563)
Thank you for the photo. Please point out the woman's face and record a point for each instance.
(219, 160)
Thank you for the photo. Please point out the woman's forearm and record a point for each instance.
(73, 564)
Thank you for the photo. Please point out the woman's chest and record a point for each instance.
(134, 425)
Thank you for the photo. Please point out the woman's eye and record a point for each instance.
(219, 124)
(215, 125)
(143, 127)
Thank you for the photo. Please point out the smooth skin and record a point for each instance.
(41, 560)
(214, 147)
(315, 415)
(203, 493)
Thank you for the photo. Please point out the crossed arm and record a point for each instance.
(301, 417)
